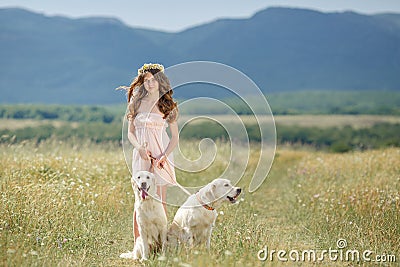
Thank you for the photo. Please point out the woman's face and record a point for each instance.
(150, 83)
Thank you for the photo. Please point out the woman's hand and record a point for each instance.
(161, 161)
(144, 154)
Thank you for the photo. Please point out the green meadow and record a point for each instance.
(66, 197)
(66, 204)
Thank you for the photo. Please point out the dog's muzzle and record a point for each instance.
(233, 199)
(143, 189)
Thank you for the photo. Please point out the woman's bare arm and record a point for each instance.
(134, 141)
(171, 145)
(131, 135)
(174, 138)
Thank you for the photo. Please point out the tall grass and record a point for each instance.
(354, 196)
(71, 205)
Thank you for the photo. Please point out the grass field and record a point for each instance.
(14, 124)
(322, 121)
(71, 205)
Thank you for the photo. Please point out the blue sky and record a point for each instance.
(176, 15)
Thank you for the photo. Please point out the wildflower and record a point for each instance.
(11, 251)
(228, 253)
(162, 258)
(34, 253)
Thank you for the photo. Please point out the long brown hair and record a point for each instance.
(165, 104)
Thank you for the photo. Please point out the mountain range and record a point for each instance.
(54, 59)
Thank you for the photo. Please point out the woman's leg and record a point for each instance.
(135, 226)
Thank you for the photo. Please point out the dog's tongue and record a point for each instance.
(144, 194)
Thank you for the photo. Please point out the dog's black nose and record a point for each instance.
(239, 190)
(143, 184)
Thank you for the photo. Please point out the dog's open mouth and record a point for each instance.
(233, 199)
(144, 192)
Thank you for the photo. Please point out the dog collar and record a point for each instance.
(204, 204)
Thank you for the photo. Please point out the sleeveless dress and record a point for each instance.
(150, 130)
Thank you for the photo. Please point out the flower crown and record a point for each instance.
(150, 66)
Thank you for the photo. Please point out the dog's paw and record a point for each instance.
(127, 255)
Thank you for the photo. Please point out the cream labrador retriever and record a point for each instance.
(150, 217)
(194, 220)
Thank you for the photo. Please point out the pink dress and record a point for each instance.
(150, 129)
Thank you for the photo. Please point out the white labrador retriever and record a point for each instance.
(150, 217)
(194, 220)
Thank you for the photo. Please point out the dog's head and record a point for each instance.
(144, 184)
(221, 190)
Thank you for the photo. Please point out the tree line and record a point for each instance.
(78, 113)
(334, 139)
(284, 103)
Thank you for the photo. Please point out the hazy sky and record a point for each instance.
(176, 15)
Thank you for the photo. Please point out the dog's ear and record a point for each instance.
(210, 193)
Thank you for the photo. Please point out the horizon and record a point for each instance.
(182, 16)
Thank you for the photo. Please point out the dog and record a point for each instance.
(150, 217)
(194, 220)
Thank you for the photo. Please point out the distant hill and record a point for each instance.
(61, 60)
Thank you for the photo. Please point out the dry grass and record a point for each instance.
(64, 205)
(323, 121)
(356, 121)
(13, 124)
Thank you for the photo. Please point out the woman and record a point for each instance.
(151, 110)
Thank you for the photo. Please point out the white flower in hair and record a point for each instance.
(150, 66)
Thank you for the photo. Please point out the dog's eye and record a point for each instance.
(148, 177)
(226, 185)
(138, 177)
